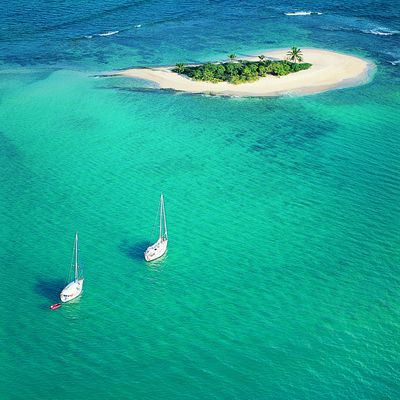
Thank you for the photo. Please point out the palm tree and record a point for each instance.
(262, 57)
(232, 56)
(295, 55)
(180, 68)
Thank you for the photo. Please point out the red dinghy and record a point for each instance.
(55, 306)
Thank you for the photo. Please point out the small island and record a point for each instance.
(274, 73)
(244, 71)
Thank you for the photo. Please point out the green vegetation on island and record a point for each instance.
(242, 71)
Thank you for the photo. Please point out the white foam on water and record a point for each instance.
(101, 34)
(108, 33)
(381, 32)
(302, 13)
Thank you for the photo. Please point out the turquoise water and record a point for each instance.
(282, 275)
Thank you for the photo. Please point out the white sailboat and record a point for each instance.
(74, 288)
(159, 248)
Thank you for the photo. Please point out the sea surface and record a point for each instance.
(282, 277)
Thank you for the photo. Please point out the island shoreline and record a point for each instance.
(330, 70)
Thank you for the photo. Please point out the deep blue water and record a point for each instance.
(155, 32)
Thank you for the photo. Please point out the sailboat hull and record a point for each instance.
(156, 250)
(72, 291)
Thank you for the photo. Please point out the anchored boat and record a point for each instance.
(74, 288)
(159, 248)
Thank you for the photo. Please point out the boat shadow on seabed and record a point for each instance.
(135, 251)
(49, 288)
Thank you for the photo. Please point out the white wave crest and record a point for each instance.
(381, 32)
(138, 26)
(108, 33)
(297, 13)
(101, 34)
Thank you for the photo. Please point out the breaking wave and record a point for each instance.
(102, 34)
(381, 31)
(303, 13)
(108, 33)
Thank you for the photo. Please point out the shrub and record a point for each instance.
(238, 72)
(262, 70)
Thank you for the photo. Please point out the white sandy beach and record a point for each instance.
(329, 70)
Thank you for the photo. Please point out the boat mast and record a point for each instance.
(161, 213)
(76, 256)
(165, 222)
